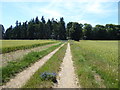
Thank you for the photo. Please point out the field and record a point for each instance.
(96, 63)
(20, 64)
(13, 45)
(52, 66)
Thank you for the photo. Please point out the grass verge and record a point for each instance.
(96, 63)
(14, 67)
(51, 66)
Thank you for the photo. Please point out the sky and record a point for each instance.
(82, 11)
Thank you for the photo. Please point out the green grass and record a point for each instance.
(13, 45)
(14, 67)
(96, 57)
(52, 66)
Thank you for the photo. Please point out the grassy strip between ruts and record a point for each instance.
(10, 49)
(14, 67)
(51, 66)
(96, 63)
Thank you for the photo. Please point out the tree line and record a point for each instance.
(78, 31)
(54, 29)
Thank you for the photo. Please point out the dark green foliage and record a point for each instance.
(87, 31)
(75, 31)
(2, 31)
(100, 32)
(37, 20)
(36, 29)
(49, 29)
(54, 29)
(8, 33)
(113, 31)
(55, 33)
(62, 30)
(43, 20)
(69, 25)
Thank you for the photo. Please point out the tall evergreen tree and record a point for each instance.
(62, 30)
(69, 25)
(49, 29)
(8, 33)
(31, 30)
(37, 20)
(43, 20)
(54, 29)
(24, 30)
(2, 31)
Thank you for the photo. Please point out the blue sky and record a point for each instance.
(82, 11)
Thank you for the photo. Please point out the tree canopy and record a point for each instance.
(58, 30)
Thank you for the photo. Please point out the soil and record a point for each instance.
(66, 77)
(21, 78)
(17, 55)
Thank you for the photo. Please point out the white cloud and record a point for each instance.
(88, 6)
(84, 21)
(95, 8)
(50, 13)
(0, 13)
(72, 10)
(36, 10)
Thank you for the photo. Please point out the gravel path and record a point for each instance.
(67, 77)
(17, 55)
(21, 78)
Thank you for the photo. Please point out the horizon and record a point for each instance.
(95, 12)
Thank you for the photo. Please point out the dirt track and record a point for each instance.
(21, 78)
(67, 77)
(16, 55)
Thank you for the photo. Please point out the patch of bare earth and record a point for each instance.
(17, 55)
(20, 79)
(99, 80)
(66, 77)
